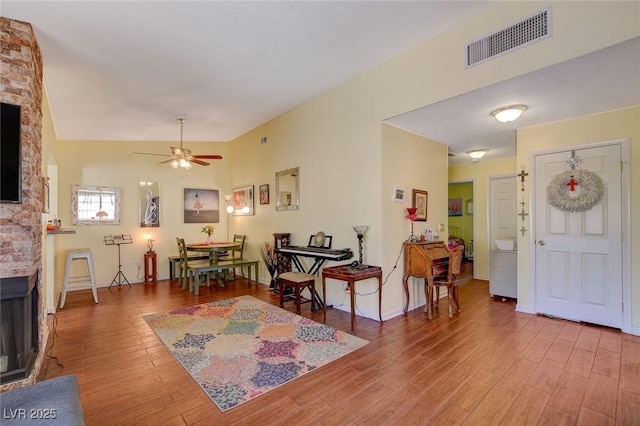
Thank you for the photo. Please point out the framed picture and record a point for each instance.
(243, 201)
(455, 206)
(201, 205)
(398, 194)
(264, 193)
(469, 206)
(149, 204)
(419, 202)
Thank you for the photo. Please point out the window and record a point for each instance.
(95, 205)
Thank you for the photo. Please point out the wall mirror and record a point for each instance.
(288, 189)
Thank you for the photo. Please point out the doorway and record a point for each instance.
(460, 223)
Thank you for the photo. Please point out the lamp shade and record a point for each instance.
(509, 113)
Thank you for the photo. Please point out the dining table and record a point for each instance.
(214, 249)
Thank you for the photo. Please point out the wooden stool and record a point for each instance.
(150, 267)
(297, 280)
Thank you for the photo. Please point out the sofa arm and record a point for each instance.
(50, 402)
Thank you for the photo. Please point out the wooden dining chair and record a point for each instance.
(237, 253)
(450, 280)
(187, 269)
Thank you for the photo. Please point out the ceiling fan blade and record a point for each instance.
(151, 153)
(208, 157)
(202, 163)
(166, 161)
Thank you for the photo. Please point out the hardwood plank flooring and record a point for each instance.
(487, 365)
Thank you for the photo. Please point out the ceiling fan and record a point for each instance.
(182, 157)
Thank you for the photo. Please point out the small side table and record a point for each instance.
(351, 274)
(150, 267)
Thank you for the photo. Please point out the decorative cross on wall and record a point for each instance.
(522, 175)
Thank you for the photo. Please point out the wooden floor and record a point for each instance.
(487, 365)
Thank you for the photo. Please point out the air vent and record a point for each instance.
(523, 33)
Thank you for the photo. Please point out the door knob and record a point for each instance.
(540, 242)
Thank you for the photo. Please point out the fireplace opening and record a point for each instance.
(18, 327)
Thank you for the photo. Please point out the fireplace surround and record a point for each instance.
(19, 337)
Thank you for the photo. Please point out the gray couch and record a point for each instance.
(50, 402)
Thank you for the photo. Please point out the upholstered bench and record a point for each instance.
(297, 281)
(50, 402)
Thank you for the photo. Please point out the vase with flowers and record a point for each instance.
(209, 230)
(412, 216)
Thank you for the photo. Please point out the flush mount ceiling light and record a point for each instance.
(509, 113)
(477, 154)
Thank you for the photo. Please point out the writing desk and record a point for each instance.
(419, 261)
(351, 274)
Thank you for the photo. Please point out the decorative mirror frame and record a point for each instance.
(288, 195)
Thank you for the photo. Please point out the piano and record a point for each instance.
(319, 254)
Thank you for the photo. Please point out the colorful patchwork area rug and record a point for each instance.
(240, 348)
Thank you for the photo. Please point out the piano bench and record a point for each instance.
(297, 281)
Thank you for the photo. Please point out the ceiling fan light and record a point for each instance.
(509, 113)
(477, 154)
(175, 164)
(184, 163)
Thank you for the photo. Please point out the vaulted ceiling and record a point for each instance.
(127, 70)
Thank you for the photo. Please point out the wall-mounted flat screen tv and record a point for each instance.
(10, 163)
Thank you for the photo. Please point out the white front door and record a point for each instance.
(579, 255)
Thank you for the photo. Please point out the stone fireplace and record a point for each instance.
(21, 224)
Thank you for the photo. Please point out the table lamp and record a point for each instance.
(360, 230)
(150, 242)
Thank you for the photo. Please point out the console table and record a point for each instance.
(419, 261)
(351, 274)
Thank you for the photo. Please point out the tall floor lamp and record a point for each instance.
(227, 198)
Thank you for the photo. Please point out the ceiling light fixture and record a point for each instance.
(509, 113)
(477, 154)
(181, 156)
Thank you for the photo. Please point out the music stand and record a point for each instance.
(118, 240)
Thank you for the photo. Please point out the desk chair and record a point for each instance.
(450, 280)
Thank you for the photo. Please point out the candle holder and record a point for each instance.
(360, 230)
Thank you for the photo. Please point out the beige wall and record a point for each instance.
(591, 129)
(410, 162)
(114, 164)
(479, 173)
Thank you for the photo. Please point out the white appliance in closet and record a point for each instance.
(503, 262)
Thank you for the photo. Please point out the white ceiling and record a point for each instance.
(128, 70)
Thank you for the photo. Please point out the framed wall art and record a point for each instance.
(419, 201)
(398, 194)
(455, 206)
(149, 204)
(264, 193)
(201, 205)
(243, 201)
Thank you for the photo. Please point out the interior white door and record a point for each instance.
(579, 255)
